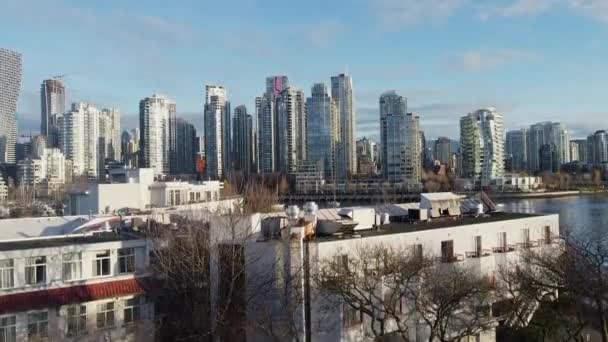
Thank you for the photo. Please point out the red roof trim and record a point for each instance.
(69, 295)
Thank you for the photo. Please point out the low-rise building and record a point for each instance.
(73, 279)
(292, 248)
(137, 189)
(515, 182)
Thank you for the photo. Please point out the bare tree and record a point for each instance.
(578, 272)
(209, 284)
(377, 281)
(454, 302)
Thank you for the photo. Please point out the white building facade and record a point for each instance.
(482, 142)
(77, 288)
(79, 139)
(346, 157)
(157, 133)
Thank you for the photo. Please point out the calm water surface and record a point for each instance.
(579, 213)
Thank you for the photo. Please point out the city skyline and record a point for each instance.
(449, 61)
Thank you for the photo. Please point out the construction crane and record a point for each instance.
(61, 77)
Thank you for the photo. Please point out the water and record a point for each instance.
(580, 214)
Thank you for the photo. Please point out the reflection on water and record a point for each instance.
(577, 213)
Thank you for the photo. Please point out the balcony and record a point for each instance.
(476, 254)
(451, 258)
(528, 244)
(504, 249)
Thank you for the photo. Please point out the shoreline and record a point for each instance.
(549, 194)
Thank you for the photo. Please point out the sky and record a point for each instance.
(534, 60)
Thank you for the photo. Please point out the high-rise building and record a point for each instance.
(276, 84)
(267, 122)
(549, 158)
(393, 135)
(482, 140)
(516, 149)
(322, 133)
(578, 150)
(157, 133)
(366, 156)
(547, 133)
(291, 128)
(185, 147)
(346, 155)
(597, 148)
(109, 134)
(217, 132)
(442, 150)
(79, 139)
(10, 86)
(52, 103)
(242, 142)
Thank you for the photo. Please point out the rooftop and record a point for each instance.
(68, 240)
(446, 222)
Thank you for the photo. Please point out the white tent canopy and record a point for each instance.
(440, 202)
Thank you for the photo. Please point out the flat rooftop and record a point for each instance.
(436, 223)
(66, 241)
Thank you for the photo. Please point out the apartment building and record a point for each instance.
(290, 249)
(73, 279)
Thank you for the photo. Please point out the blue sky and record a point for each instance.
(532, 59)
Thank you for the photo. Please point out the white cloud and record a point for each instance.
(396, 14)
(323, 34)
(487, 60)
(518, 8)
(597, 9)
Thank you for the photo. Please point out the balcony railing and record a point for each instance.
(452, 258)
(504, 249)
(528, 244)
(484, 253)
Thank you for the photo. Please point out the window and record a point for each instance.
(126, 260)
(35, 270)
(7, 274)
(478, 246)
(417, 251)
(191, 197)
(341, 262)
(208, 193)
(77, 320)
(105, 315)
(525, 238)
(502, 241)
(101, 264)
(447, 251)
(178, 199)
(198, 196)
(352, 316)
(132, 311)
(547, 235)
(37, 325)
(8, 329)
(72, 266)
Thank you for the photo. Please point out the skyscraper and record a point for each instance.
(157, 136)
(597, 148)
(482, 140)
(393, 135)
(547, 133)
(242, 139)
(322, 133)
(291, 128)
(516, 149)
(217, 132)
(79, 139)
(52, 103)
(186, 143)
(267, 123)
(578, 150)
(109, 134)
(346, 156)
(442, 150)
(10, 85)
